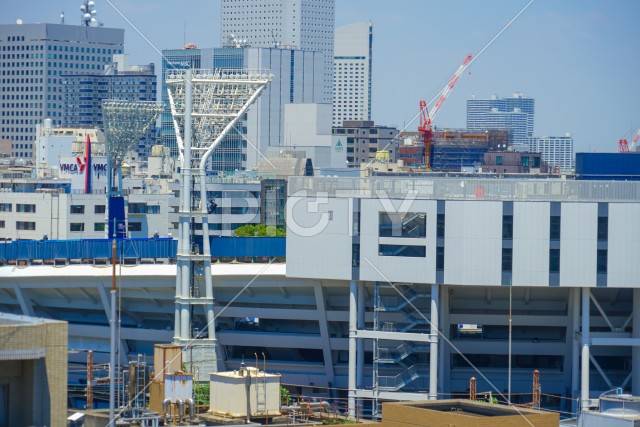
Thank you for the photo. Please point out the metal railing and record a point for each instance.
(438, 188)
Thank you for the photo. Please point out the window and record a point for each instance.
(554, 260)
(440, 258)
(5, 207)
(602, 261)
(76, 226)
(507, 227)
(77, 209)
(98, 226)
(507, 259)
(440, 226)
(1, 223)
(554, 229)
(535, 162)
(524, 161)
(137, 208)
(25, 208)
(137, 226)
(603, 228)
(498, 160)
(99, 209)
(25, 225)
(153, 209)
(402, 251)
(405, 224)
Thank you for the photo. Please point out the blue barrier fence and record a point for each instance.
(236, 247)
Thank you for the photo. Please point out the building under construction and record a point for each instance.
(456, 149)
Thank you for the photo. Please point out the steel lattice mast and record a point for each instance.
(205, 106)
(124, 124)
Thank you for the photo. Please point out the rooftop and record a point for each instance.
(466, 188)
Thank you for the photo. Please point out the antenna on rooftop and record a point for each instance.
(88, 13)
(62, 17)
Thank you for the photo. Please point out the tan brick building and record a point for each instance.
(33, 371)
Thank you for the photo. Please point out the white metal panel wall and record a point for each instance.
(578, 244)
(473, 243)
(319, 244)
(530, 244)
(374, 267)
(623, 269)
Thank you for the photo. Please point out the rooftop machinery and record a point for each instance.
(424, 127)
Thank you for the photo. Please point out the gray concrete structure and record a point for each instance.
(464, 236)
(33, 58)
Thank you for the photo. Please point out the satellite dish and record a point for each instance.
(19, 21)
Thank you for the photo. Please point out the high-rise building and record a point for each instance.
(83, 94)
(515, 114)
(33, 59)
(352, 68)
(292, 24)
(557, 151)
(263, 127)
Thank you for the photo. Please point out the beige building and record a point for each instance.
(462, 413)
(33, 371)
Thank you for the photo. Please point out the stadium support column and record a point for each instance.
(184, 259)
(353, 317)
(584, 384)
(206, 253)
(575, 356)
(360, 342)
(635, 351)
(433, 346)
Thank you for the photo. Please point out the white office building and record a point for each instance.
(352, 70)
(33, 58)
(299, 24)
(557, 151)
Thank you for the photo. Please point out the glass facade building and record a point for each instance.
(83, 95)
(289, 24)
(33, 59)
(298, 77)
(515, 114)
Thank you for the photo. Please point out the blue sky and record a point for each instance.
(579, 59)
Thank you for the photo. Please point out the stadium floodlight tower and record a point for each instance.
(124, 124)
(205, 106)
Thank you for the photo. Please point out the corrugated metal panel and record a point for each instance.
(29, 354)
(138, 248)
(614, 166)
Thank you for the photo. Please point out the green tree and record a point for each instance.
(259, 230)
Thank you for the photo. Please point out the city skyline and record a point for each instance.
(575, 58)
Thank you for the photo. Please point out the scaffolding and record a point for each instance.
(205, 106)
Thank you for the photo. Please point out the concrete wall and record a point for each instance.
(37, 387)
(473, 243)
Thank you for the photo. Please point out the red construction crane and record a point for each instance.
(625, 147)
(635, 140)
(424, 127)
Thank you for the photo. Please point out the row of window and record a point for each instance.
(20, 207)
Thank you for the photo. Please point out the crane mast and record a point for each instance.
(424, 126)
